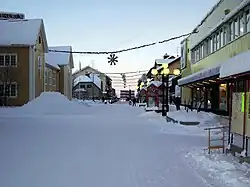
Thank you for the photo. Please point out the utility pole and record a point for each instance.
(93, 89)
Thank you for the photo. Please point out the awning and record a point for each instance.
(200, 75)
(236, 65)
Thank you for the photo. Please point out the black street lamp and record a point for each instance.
(165, 72)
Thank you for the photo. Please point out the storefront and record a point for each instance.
(154, 94)
(208, 92)
(236, 71)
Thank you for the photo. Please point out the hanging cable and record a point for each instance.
(124, 50)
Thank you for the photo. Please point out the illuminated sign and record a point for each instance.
(8, 15)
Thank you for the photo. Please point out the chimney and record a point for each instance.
(227, 11)
(165, 56)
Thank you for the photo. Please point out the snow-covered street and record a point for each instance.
(117, 145)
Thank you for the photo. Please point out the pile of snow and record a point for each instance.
(53, 103)
(150, 115)
(206, 119)
(217, 167)
(172, 128)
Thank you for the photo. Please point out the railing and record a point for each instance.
(219, 141)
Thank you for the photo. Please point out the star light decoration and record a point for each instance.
(112, 59)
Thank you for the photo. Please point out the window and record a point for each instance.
(226, 35)
(202, 51)
(192, 57)
(13, 60)
(236, 28)
(214, 43)
(46, 76)
(248, 20)
(82, 86)
(231, 31)
(89, 86)
(54, 78)
(1, 90)
(205, 53)
(1, 60)
(221, 38)
(8, 90)
(218, 40)
(50, 77)
(8, 60)
(13, 90)
(242, 27)
(211, 45)
(197, 54)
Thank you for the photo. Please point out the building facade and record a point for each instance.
(51, 79)
(127, 94)
(64, 62)
(221, 35)
(22, 60)
(106, 81)
(215, 63)
(87, 87)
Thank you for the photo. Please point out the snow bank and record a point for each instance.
(190, 116)
(53, 103)
(225, 169)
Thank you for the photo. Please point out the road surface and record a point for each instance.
(114, 147)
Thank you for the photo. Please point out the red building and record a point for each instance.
(154, 94)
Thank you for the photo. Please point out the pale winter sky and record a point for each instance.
(107, 25)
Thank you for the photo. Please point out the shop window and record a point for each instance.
(209, 98)
(240, 86)
(223, 97)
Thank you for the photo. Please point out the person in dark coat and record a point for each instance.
(134, 101)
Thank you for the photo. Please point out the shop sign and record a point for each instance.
(183, 60)
(8, 15)
(200, 75)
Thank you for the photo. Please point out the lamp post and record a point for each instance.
(165, 72)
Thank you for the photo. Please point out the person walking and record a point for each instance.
(134, 101)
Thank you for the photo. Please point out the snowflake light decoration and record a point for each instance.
(112, 59)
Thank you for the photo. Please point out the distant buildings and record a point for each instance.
(87, 87)
(104, 85)
(127, 94)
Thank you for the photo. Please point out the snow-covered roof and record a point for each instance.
(91, 79)
(57, 58)
(22, 32)
(236, 65)
(80, 90)
(155, 83)
(164, 61)
(224, 20)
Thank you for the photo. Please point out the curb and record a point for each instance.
(187, 123)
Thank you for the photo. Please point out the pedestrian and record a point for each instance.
(134, 101)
